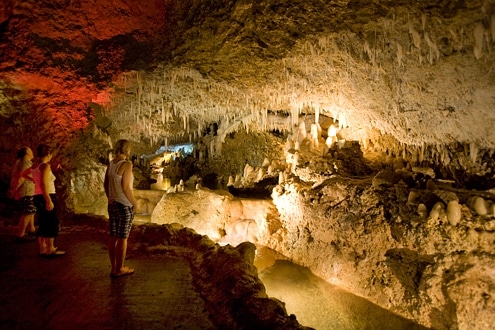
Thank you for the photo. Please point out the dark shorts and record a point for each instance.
(26, 205)
(47, 220)
(120, 218)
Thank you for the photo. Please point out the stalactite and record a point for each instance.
(342, 120)
(400, 55)
(163, 113)
(212, 149)
(415, 35)
(473, 152)
(479, 31)
(492, 27)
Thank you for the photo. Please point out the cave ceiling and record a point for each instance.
(163, 70)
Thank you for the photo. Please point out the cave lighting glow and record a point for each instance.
(320, 305)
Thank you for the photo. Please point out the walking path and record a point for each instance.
(75, 291)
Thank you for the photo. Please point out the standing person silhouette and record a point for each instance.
(45, 201)
(22, 190)
(121, 206)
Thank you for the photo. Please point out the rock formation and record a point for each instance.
(365, 127)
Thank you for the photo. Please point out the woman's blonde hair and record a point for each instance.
(122, 147)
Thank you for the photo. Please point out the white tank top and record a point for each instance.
(115, 191)
(38, 188)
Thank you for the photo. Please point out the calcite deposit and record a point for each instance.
(355, 138)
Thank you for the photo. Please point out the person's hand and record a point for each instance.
(134, 209)
(49, 205)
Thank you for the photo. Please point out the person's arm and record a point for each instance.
(126, 184)
(45, 177)
(105, 183)
(14, 183)
(26, 175)
(23, 176)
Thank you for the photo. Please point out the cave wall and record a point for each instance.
(390, 232)
(367, 239)
(164, 71)
(406, 80)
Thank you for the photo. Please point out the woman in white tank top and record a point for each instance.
(45, 201)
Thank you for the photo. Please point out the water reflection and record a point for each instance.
(161, 182)
(321, 305)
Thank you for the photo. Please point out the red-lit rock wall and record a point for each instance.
(56, 57)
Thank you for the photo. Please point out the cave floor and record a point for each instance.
(75, 291)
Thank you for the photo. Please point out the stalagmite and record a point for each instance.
(231, 181)
(266, 162)
(422, 210)
(411, 199)
(295, 161)
(332, 131)
(238, 178)
(180, 186)
(314, 136)
(478, 204)
(454, 212)
(281, 177)
(435, 212)
(329, 142)
(302, 134)
(260, 175)
(248, 173)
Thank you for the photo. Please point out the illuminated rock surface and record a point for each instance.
(394, 203)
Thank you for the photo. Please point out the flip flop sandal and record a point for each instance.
(127, 272)
(56, 253)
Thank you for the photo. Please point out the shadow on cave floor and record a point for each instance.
(76, 292)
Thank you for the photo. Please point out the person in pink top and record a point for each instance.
(45, 201)
(121, 206)
(22, 191)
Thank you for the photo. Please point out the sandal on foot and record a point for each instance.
(127, 271)
(56, 253)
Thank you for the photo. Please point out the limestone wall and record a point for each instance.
(370, 241)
